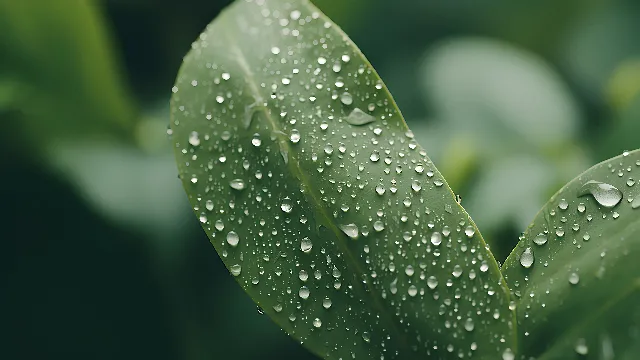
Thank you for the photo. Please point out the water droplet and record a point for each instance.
(469, 231)
(232, 238)
(436, 238)
(457, 271)
(346, 98)
(255, 141)
(294, 136)
(563, 204)
(235, 269)
(409, 270)
(194, 138)
(303, 275)
(326, 303)
(237, 184)
(286, 205)
(366, 337)
(581, 208)
(415, 185)
(317, 322)
(304, 292)
(540, 239)
(581, 347)
(378, 226)
(275, 50)
(636, 202)
(432, 282)
(605, 194)
(508, 354)
(358, 117)
(375, 156)
(526, 258)
(209, 205)
(469, 325)
(219, 225)
(328, 149)
(346, 58)
(412, 291)
(351, 230)
(380, 189)
(574, 279)
(306, 245)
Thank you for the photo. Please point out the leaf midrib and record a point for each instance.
(311, 194)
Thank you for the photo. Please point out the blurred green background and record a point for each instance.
(101, 257)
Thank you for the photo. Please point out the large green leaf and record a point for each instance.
(318, 199)
(59, 72)
(575, 272)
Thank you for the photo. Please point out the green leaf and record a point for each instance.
(58, 68)
(575, 271)
(341, 229)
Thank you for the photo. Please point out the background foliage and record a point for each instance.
(102, 257)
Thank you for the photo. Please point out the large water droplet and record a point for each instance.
(237, 184)
(235, 269)
(508, 354)
(540, 239)
(581, 347)
(526, 258)
(232, 238)
(304, 292)
(306, 245)
(358, 117)
(605, 194)
(469, 325)
(351, 230)
(194, 138)
(346, 98)
(286, 205)
(574, 279)
(436, 238)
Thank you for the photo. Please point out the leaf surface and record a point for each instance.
(575, 273)
(313, 191)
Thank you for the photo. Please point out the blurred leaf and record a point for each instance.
(500, 93)
(623, 133)
(318, 199)
(624, 85)
(502, 112)
(598, 42)
(57, 59)
(575, 271)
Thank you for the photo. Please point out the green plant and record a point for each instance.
(331, 216)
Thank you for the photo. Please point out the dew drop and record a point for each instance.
(375, 156)
(380, 190)
(412, 291)
(317, 322)
(432, 282)
(351, 230)
(378, 226)
(526, 258)
(581, 347)
(294, 136)
(469, 325)
(235, 269)
(194, 138)
(358, 117)
(605, 194)
(540, 239)
(326, 303)
(306, 245)
(508, 354)
(286, 205)
(237, 184)
(219, 225)
(436, 238)
(304, 292)
(469, 231)
(574, 279)
(232, 238)
(346, 98)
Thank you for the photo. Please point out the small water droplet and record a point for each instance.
(581, 347)
(469, 231)
(294, 136)
(317, 322)
(375, 156)
(574, 279)
(380, 189)
(286, 205)
(526, 258)
(412, 291)
(432, 282)
(469, 325)
(346, 98)
(235, 269)
(326, 303)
